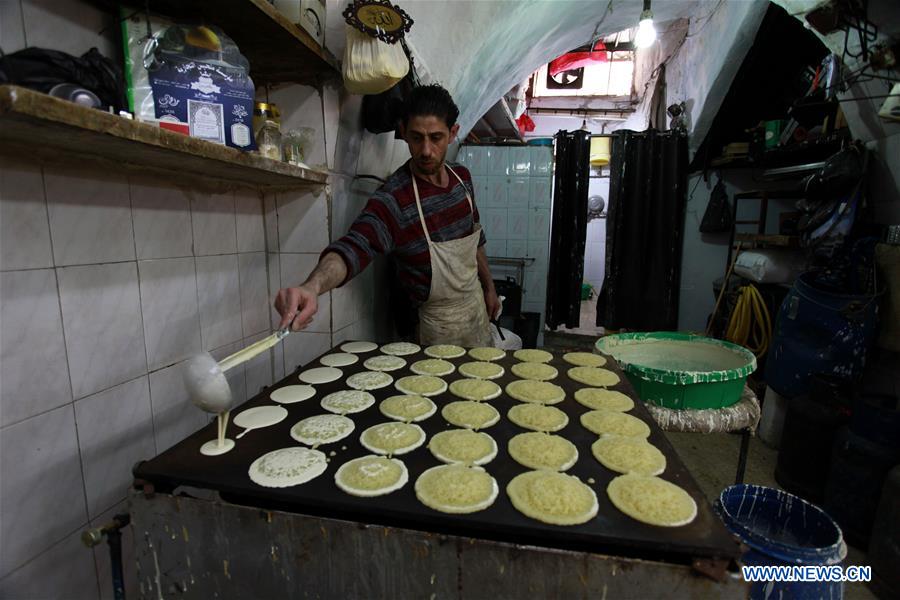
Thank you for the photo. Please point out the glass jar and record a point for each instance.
(262, 112)
(291, 148)
(268, 140)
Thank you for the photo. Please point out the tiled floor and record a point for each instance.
(588, 318)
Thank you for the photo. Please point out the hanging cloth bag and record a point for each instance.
(717, 218)
(370, 65)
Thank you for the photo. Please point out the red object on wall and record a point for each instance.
(574, 60)
(525, 124)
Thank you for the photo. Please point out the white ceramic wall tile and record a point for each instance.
(535, 283)
(520, 161)
(101, 309)
(31, 340)
(258, 370)
(24, 228)
(170, 313)
(497, 161)
(596, 230)
(497, 192)
(220, 300)
(477, 160)
(90, 217)
(302, 347)
(274, 274)
(162, 220)
(302, 221)
(541, 160)
(349, 137)
(331, 116)
(541, 195)
(236, 376)
(482, 191)
(101, 557)
(519, 192)
(516, 248)
(462, 156)
(251, 235)
(115, 431)
(365, 329)
(278, 362)
(270, 217)
(175, 417)
(66, 570)
(538, 250)
(213, 220)
(518, 224)
(538, 224)
(42, 497)
(254, 293)
(296, 268)
(496, 247)
(349, 300)
(494, 222)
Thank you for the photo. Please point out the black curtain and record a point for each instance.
(644, 231)
(568, 229)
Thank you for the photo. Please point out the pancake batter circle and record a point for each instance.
(407, 408)
(593, 376)
(624, 454)
(463, 446)
(384, 363)
(487, 353)
(603, 399)
(554, 498)
(339, 359)
(456, 489)
(371, 475)
(532, 355)
(319, 375)
(584, 359)
(435, 367)
(369, 380)
(534, 371)
(478, 390)
(539, 392)
(422, 385)
(392, 438)
(471, 415)
(400, 348)
(481, 370)
(291, 394)
(322, 429)
(287, 467)
(652, 500)
(537, 417)
(538, 450)
(445, 351)
(347, 402)
(359, 347)
(604, 422)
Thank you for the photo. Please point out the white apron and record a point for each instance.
(455, 312)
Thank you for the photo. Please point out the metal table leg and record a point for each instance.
(742, 456)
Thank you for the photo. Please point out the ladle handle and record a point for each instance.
(253, 350)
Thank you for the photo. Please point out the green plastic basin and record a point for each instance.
(679, 370)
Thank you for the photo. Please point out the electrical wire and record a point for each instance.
(750, 324)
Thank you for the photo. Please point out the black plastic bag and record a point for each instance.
(41, 69)
(383, 112)
(717, 218)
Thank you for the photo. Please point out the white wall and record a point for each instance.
(108, 281)
(595, 248)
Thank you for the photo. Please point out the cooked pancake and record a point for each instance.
(369, 380)
(471, 415)
(400, 348)
(444, 351)
(421, 385)
(481, 370)
(407, 408)
(531, 355)
(534, 371)
(584, 359)
(537, 450)
(475, 389)
(392, 438)
(463, 446)
(593, 376)
(652, 500)
(554, 498)
(487, 353)
(539, 392)
(322, 429)
(287, 467)
(624, 454)
(456, 489)
(347, 401)
(602, 399)
(371, 476)
(435, 367)
(537, 417)
(603, 422)
(384, 363)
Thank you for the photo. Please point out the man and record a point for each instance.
(425, 216)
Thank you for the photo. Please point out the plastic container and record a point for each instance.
(819, 330)
(771, 423)
(679, 370)
(782, 529)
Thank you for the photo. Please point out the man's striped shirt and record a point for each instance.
(390, 224)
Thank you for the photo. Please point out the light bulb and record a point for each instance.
(646, 33)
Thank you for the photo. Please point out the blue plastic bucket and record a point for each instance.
(782, 530)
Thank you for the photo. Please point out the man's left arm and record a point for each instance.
(491, 301)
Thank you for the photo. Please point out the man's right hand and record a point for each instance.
(296, 305)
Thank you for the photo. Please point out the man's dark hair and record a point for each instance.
(431, 101)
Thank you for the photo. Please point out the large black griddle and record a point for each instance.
(611, 532)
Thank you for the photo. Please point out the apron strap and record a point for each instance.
(419, 202)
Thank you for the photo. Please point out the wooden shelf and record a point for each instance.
(278, 50)
(33, 124)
